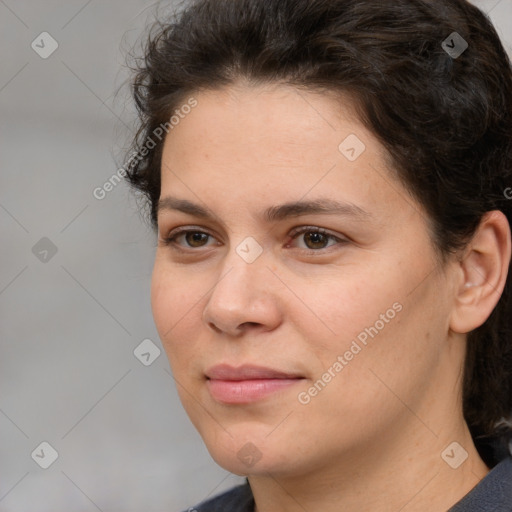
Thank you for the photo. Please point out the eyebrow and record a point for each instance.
(323, 206)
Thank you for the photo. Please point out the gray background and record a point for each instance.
(71, 321)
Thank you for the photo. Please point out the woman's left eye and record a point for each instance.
(315, 238)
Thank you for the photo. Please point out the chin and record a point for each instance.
(248, 463)
(242, 451)
(245, 454)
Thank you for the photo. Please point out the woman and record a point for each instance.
(328, 180)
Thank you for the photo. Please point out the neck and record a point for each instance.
(403, 472)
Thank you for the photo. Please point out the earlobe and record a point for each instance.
(484, 269)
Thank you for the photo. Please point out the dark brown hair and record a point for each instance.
(445, 119)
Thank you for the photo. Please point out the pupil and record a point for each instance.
(316, 238)
(192, 238)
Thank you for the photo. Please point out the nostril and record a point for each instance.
(214, 327)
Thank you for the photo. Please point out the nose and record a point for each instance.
(245, 297)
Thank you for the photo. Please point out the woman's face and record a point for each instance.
(348, 327)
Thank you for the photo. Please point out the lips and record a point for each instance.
(247, 372)
(248, 383)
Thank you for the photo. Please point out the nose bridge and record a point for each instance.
(240, 285)
(242, 270)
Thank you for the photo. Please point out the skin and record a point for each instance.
(372, 438)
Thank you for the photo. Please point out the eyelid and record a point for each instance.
(183, 229)
(316, 229)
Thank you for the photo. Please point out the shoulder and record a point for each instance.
(238, 499)
(494, 492)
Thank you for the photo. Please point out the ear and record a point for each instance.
(483, 273)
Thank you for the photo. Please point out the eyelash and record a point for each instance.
(170, 240)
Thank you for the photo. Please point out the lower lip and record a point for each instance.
(246, 391)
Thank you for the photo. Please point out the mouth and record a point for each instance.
(248, 383)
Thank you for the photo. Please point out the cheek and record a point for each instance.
(373, 322)
(391, 347)
(173, 302)
(347, 307)
(162, 300)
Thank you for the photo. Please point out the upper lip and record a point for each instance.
(247, 372)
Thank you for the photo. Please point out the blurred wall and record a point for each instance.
(75, 277)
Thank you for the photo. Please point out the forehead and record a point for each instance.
(237, 112)
(273, 127)
(246, 145)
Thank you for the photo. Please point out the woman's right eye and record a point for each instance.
(193, 238)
